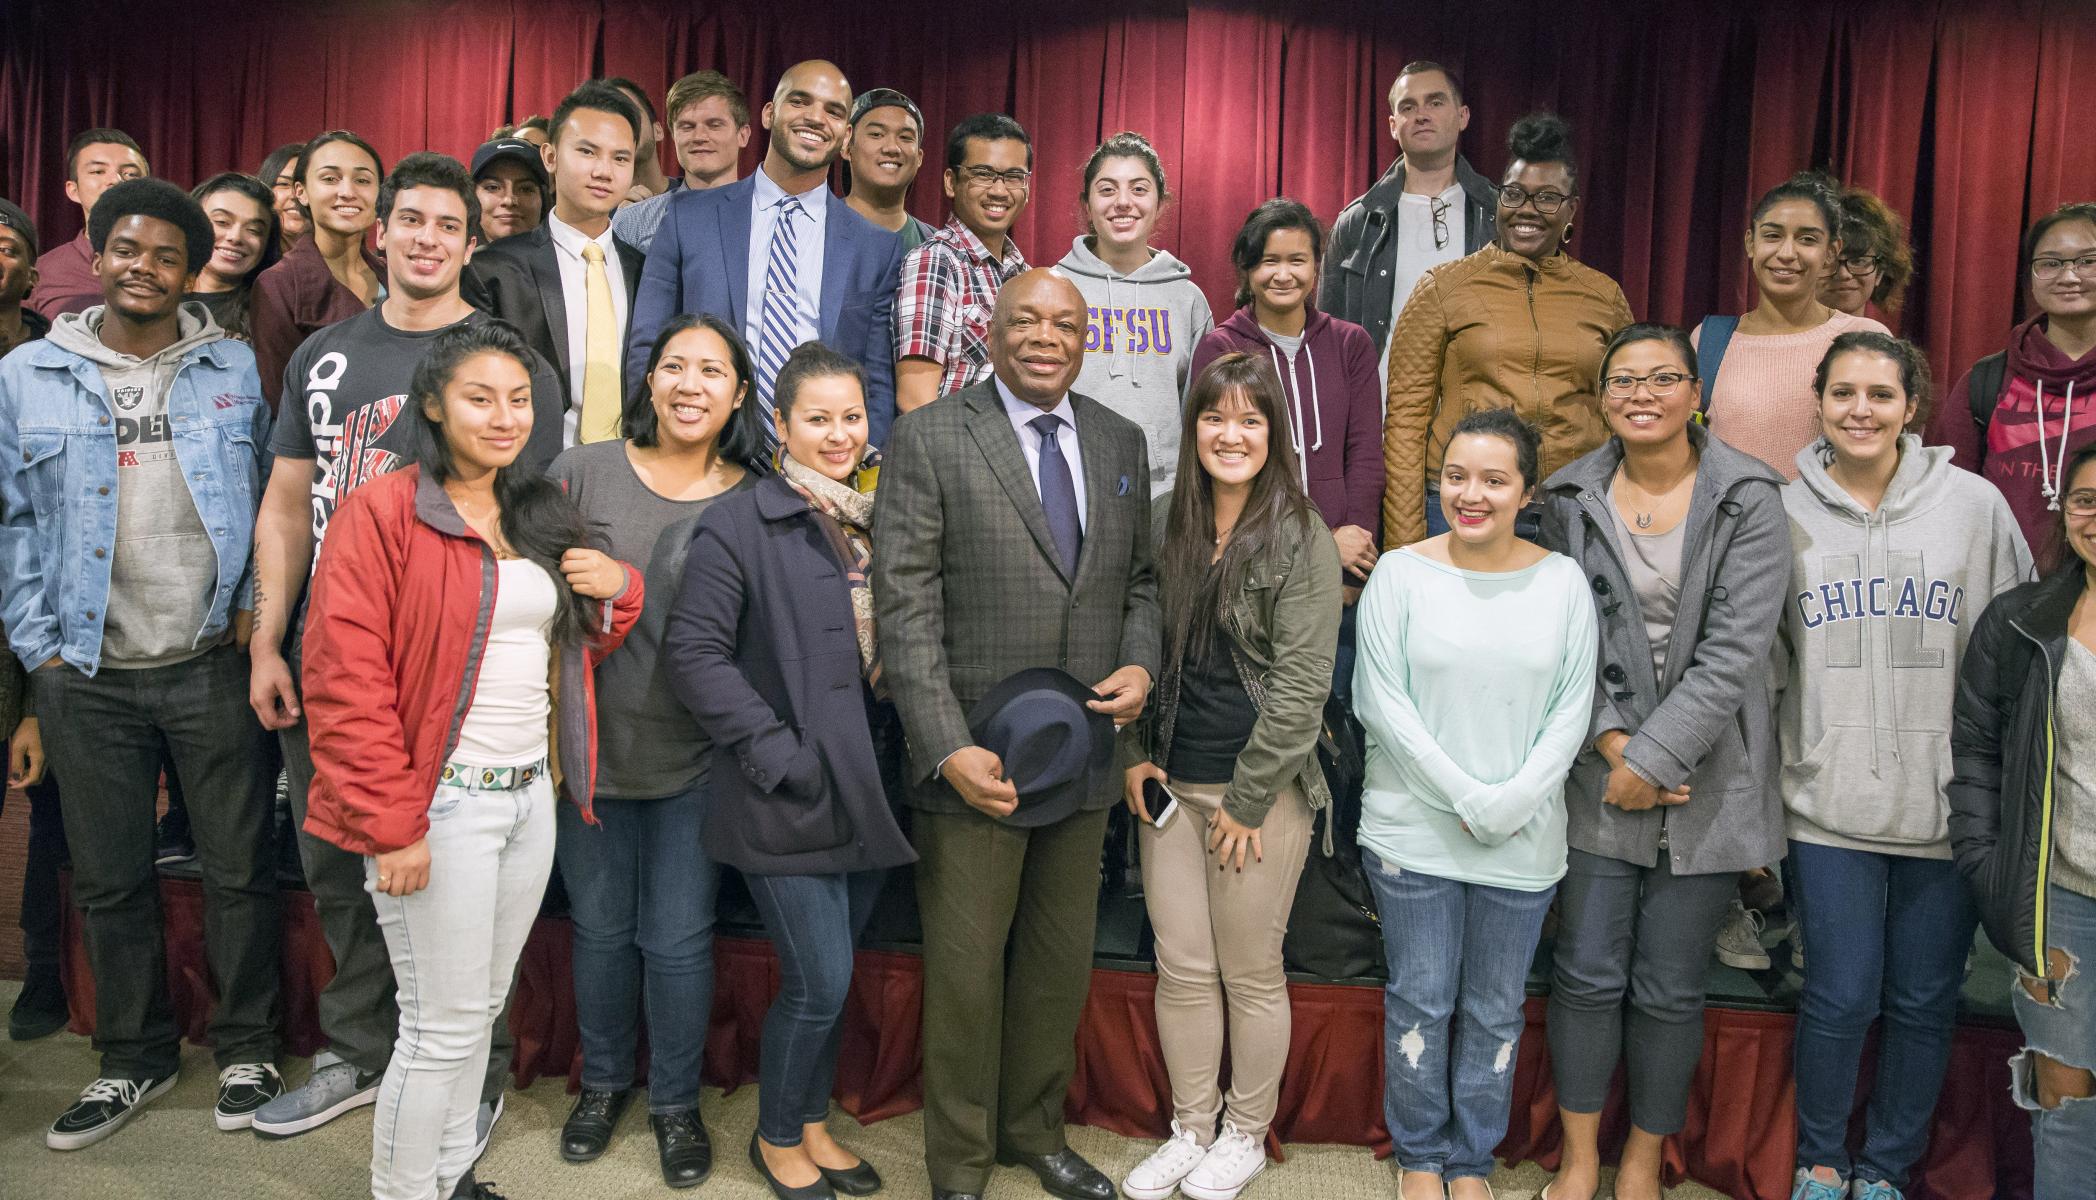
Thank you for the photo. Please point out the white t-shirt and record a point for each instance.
(1417, 253)
(505, 724)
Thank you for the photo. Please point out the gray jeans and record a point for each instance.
(1645, 933)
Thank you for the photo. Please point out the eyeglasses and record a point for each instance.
(1513, 195)
(1861, 264)
(984, 178)
(2050, 268)
(2080, 504)
(1439, 208)
(1660, 383)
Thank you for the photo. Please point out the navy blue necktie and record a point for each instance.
(1058, 493)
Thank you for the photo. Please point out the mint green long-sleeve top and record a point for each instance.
(1476, 690)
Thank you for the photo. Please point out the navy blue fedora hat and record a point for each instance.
(1053, 747)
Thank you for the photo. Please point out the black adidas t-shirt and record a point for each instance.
(345, 407)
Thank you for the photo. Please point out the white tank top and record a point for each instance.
(506, 722)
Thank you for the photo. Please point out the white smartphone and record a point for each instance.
(1160, 801)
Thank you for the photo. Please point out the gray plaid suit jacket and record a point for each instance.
(967, 587)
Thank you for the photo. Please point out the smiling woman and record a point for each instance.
(244, 244)
(331, 274)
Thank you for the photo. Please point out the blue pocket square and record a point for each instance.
(1122, 489)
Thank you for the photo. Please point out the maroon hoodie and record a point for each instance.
(2020, 453)
(1335, 401)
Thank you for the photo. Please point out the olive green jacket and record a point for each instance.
(1283, 626)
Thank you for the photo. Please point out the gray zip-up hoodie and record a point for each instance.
(1881, 605)
(1138, 343)
(163, 567)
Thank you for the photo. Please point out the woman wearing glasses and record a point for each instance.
(2020, 414)
(1757, 368)
(1894, 553)
(1684, 543)
(1876, 263)
(2023, 827)
(1520, 324)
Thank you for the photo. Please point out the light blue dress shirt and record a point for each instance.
(1021, 412)
(813, 224)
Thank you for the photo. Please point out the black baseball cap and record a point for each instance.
(516, 149)
(14, 218)
(886, 98)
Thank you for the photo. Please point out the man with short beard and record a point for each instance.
(887, 148)
(778, 256)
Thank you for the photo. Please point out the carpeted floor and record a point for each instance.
(171, 1151)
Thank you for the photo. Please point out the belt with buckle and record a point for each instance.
(490, 779)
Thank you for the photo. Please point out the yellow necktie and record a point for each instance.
(600, 353)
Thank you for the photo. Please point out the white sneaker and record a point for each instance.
(1739, 940)
(1158, 1176)
(1234, 1161)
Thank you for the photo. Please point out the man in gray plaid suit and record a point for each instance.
(1013, 531)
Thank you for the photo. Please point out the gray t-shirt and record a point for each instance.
(648, 746)
(1289, 344)
(1654, 563)
(2074, 815)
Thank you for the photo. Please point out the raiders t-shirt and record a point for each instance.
(346, 408)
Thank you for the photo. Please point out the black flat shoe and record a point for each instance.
(819, 1190)
(683, 1145)
(861, 1180)
(939, 1193)
(1065, 1174)
(588, 1128)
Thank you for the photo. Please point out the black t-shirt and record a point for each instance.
(345, 407)
(1215, 716)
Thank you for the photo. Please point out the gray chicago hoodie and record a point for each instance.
(163, 566)
(1138, 344)
(1881, 604)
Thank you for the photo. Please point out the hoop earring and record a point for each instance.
(1568, 234)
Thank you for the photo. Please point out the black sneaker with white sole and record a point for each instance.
(243, 1088)
(102, 1110)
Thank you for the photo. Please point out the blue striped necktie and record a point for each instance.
(780, 329)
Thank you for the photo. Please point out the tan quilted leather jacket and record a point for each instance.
(1494, 330)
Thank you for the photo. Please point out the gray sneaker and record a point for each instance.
(1739, 940)
(334, 1088)
(484, 1120)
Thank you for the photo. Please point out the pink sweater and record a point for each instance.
(1762, 403)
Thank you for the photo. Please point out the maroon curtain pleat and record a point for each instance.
(1740, 1135)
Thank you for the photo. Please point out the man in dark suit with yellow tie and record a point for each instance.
(1013, 531)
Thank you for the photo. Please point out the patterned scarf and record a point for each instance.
(846, 515)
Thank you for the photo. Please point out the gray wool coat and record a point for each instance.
(1709, 721)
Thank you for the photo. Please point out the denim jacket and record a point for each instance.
(58, 477)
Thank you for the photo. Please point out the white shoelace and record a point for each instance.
(1231, 1149)
(1179, 1154)
(247, 1074)
(124, 1091)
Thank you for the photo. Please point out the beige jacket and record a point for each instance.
(1494, 330)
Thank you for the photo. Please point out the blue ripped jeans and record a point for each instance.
(2064, 1138)
(1458, 955)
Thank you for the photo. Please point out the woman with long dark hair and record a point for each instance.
(2023, 826)
(279, 173)
(1757, 368)
(244, 244)
(457, 617)
(1866, 700)
(330, 274)
(641, 901)
(1520, 324)
(772, 648)
(1249, 580)
(1463, 813)
(1684, 542)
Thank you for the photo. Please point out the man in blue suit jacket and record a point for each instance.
(829, 274)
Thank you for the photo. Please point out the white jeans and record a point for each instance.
(455, 945)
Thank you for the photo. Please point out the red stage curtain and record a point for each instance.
(1960, 114)
(1740, 1135)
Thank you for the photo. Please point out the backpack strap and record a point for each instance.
(1989, 377)
(1710, 355)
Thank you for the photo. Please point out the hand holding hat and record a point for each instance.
(978, 775)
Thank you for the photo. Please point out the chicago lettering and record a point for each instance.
(1855, 599)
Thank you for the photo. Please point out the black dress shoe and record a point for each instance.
(819, 1190)
(1064, 1173)
(589, 1125)
(40, 1008)
(861, 1180)
(685, 1148)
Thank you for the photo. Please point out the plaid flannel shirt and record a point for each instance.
(942, 310)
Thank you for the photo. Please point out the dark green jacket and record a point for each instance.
(1283, 626)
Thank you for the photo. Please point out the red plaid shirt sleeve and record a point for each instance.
(928, 304)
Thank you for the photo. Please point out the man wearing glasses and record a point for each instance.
(950, 283)
(778, 255)
(1429, 208)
